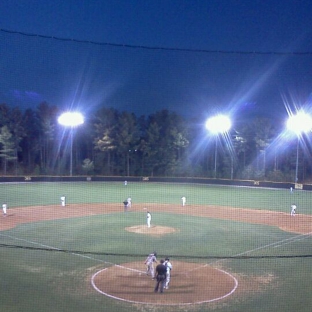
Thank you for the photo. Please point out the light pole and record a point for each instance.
(300, 123)
(219, 124)
(129, 160)
(71, 119)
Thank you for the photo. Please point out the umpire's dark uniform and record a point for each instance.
(161, 271)
(125, 205)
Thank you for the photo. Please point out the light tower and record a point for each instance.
(71, 120)
(219, 124)
(300, 123)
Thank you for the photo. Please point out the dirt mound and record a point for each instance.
(155, 230)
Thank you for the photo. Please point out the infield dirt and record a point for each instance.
(301, 224)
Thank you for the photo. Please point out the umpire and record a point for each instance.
(161, 271)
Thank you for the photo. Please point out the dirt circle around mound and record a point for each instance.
(154, 230)
(191, 283)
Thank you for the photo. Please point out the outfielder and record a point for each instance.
(169, 268)
(183, 200)
(151, 258)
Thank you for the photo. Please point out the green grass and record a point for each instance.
(29, 194)
(37, 280)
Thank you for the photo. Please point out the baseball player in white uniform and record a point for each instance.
(169, 268)
(293, 210)
(4, 209)
(183, 200)
(148, 219)
(63, 201)
(150, 260)
(129, 202)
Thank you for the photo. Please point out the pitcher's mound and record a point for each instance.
(153, 230)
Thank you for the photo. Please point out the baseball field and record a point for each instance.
(232, 248)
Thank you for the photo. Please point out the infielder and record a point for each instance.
(148, 219)
(169, 268)
(293, 210)
(129, 202)
(183, 200)
(4, 209)
(63, 201)
(150, 260)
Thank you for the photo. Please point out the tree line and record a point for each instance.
(118, 143)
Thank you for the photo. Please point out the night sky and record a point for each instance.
(219, 75)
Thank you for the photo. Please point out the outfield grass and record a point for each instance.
(29, 194)
(36, 280)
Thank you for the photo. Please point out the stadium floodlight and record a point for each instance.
(71, 119)
(219, 124)
(300, 123)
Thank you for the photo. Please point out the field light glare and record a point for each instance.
(300, 123)
(218, 124)
(71, 119)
